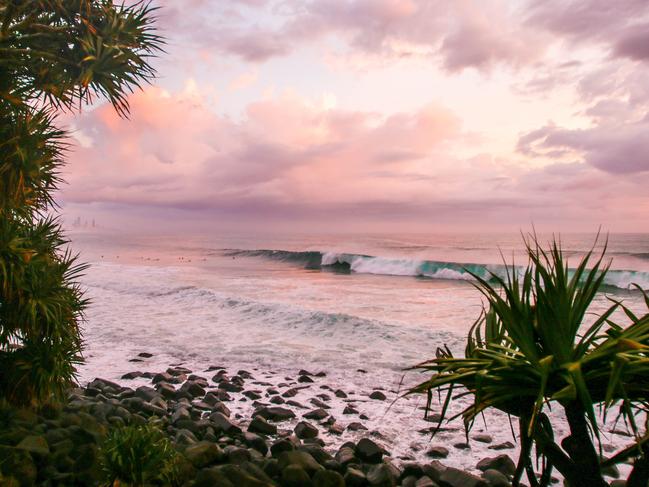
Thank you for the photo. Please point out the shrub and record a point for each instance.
(530, 350)
(138, 455)
(54, 55)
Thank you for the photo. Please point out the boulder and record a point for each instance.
(302, 459)
(328, 478)
(453, 477)
(274, 413)
(318, 414)
(378, 396)
(224, 424)
(382, 475)
(260, 425)
(495, 478)
(295, 476)
(502, 463)
(437, 451)
(355, 478)
(368, 451)
(204, 454)
(305, 430)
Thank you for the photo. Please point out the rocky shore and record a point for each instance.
(232, 427)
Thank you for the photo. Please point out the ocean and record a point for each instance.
(361, 309)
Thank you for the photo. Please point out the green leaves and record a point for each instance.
(530, 348)
(54, 54)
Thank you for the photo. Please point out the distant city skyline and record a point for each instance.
(378, 115)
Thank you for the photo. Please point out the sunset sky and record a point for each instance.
(379, 115)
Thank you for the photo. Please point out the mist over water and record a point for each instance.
(331, 303)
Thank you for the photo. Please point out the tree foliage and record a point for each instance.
(531, 349)
(55, 55)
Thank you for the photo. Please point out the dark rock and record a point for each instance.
(305, 430)
(257, 442)
(495, 478)
(346, 455)
(349, 410)
(368, 451)
(316, 414)
(355, 478)
(219, 407)
(507, 445)
(336, 429)
(302, 459)
(230, 387)
(236, 455)
(378, 395)
(319, 404)
(502, 463)
(412, 469)
(145, 355)
(274, 413)
(34, 444)
(321, 374)
(203, 454)
(364, 417)
(462, 445)
(304, 379)
(166, 390)
(453, 477)
(131, 375)
(304, 372)
(211, 477)
(245, 374)
(425, 481)
(193, 388)
(164, 377)
(146, 393)
(328, 478)
(252, 395)
(295, 404)
(356, 427)
(223, 395)
(340, 393)
(277, 400)
(178, 371)
(260, 425)
(224, 424)
(437, 451)
(281, 446)
(295, 476)
(382, 475)
(290, 392)
(483, 438)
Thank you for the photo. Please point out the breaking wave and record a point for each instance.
(368, 264)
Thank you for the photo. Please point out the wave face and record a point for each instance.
(368, 264)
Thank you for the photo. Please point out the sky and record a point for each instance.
(378, 116)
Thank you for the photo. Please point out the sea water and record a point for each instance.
(341, 304)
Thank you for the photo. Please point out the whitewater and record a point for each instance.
(360, 308)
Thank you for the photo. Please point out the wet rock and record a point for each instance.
(193, 388)
(336, 429)
(178, 371)
(364, 416)
(304, 372)
(356, 426)
(382, 475)
(295, 476)
(495, 478)
(204, 454)
(295, 404)
(355, 478)
(437, 451)
(146, 393)
(223, 395)
(257, 442)
(260, 425)
(453, 477)
(317, 414)
(166, 390)
(319, 404)
(349, 410)
(230, 387)
(502, 463)
(209, 477)
(34, 444)
(292, 392)
(145, 355)
(302, 459)
(274, 413)
(305, 430)
(321, 374)
(340, 393)
(462, 445)
(378, 396)
(245, 374)
(219, 407)
(131, 375)
(304, 379)
(483, 438)
(236, 454)
(281, 446)
(425, 481)
(346, 455)
(252, 395)
(224, 424)
(507, 445)
(277, 400)
(328, 478)
(368, 451)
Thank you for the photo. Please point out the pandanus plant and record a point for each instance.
(54, 55)
(531, 350)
